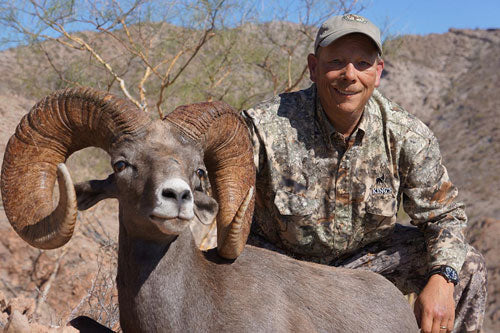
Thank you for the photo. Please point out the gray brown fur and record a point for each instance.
(186, 290)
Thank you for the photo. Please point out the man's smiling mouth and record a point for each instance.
(344, 92)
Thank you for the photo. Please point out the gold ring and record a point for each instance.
(443, 327)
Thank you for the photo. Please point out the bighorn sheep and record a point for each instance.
(164, 282)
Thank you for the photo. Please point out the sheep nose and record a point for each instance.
(174, 198)
(179, 195)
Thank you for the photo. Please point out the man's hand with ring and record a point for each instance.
(435, 307)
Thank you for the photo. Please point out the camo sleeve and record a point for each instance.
(252, 131)
(429, 200)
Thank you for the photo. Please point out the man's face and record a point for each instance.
(345, 73)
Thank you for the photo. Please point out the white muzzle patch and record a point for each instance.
(174, 199)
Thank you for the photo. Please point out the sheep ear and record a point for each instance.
(90, 192)
(205, 207)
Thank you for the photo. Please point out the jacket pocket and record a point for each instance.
(380, 212)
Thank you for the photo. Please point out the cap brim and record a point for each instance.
(333, 37)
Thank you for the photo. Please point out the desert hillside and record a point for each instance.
(448, 80)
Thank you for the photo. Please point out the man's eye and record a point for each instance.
(201, 173)
(119, 166)
(363, 65)
(336, 63)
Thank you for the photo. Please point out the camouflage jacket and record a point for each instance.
(321, 197)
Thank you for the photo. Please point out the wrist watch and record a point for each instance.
(447, 272)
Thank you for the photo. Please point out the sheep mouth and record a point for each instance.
(157, 218)
(162, 219)
(169, 225)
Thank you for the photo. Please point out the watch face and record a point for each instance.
(451, 273)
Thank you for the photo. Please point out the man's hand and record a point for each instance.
(435, 307)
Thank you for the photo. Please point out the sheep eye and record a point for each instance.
(201, 173)
(119, 166)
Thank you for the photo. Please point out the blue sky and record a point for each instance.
(397, 17)
(432, 16)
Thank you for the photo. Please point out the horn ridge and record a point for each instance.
(229, 159)
(57, 126)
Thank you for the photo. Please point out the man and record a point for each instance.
(334, 162)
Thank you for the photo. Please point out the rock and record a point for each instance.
(44, 266)
(37, 328)
(21, 304)
(4, 318)
(484, 236)
(3, 302)
(18, 323)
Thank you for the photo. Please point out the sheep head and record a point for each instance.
(156, 165)
(157, 180)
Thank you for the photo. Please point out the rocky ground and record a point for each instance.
(448, 80)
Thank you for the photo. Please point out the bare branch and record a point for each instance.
(46, 288)
(165, 83)
(42, 15)
(58, 72)
(298, 80)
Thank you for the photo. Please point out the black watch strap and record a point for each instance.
(447, 272)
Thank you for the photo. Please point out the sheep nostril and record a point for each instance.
(186, 195)
(167, 193)
(175, 195)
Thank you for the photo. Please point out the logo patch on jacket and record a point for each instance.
(380, 186)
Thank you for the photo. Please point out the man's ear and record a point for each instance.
(312, 63)
(92, 191)
(205, 207)
(380, 68)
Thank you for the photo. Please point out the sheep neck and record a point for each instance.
(169, 273)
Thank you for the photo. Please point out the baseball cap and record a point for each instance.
(338, 26)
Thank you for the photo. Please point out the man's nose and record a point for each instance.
(350, 72)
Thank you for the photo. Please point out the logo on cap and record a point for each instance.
(354, 17)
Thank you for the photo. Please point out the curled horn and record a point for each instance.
(57, 126)
(228, 156)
